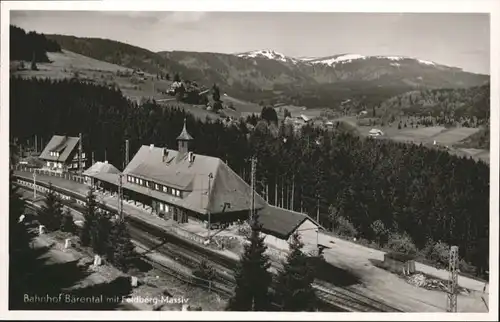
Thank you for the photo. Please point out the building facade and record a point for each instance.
(61, 154)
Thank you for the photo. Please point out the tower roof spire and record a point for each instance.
(184, 136)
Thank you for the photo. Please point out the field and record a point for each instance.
(445, 137)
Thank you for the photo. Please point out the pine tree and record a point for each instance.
(67, 224)
(33, 63)
(100, 234)
(215, 93)
(18, 235)
(294, 291)
(252, 276)
(122, 251)
(90, 219)
(50, 215)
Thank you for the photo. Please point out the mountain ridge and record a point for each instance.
(267, 75)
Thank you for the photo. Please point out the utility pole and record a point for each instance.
(252, 198)
(317, 211)
(34, 184)
(120, 196)
(210, 177)
(93, 160)
(36, 144)
(80, 166)
(126, 153)
(453, 281)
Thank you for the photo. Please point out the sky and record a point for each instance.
(453, 39)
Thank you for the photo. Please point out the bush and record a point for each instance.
(343, 227)
(401, 243)
(437, 252)
(401, 257)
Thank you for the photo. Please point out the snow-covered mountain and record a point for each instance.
(348, 58)
(332, 61)
(268, 54)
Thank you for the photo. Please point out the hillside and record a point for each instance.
(470, 106)
(30, 46)
(271, 76)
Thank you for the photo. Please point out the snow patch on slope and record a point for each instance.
(339, 59)
(267, 53)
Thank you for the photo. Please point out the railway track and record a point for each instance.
(191, 254)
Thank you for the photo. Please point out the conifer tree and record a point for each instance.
(252, 276)
(100, 234)
(90, 215)
(18, 235)
(294, 291)
(67, 224)
(122, 251)
(50, 215)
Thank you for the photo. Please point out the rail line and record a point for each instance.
(191, 254)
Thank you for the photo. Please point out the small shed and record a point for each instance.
(399, 263)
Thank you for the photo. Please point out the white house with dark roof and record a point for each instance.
(61, 154)
(279, 224)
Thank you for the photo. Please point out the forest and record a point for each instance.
(469, 107)
(378, 191)
(30, 46)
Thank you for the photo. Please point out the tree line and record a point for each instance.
(417, 197)
(30, 46)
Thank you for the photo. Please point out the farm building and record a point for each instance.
(61, 154)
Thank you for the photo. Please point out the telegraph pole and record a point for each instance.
(34, 184)
(80, 166)
(210, 177)
(120, 196)
(453, 281)
(126, 153)
(317, 211)
(252, 198)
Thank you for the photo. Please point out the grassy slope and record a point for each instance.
(68, 64)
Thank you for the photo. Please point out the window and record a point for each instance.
(164, 189)
(156, 187)
(161, 207)
(178, 193)
(167, 209)
(136, 180)
(128, 178)
(48, 164)
(140, 182)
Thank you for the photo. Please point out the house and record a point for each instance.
(61, 154)
(375, 133)
(279, 224)
(102, 175)
(182, 185)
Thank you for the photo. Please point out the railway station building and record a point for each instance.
(187, 187)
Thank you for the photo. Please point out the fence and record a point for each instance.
(57, 174)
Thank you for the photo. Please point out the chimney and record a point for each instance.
(164, 155)
(106, 162)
